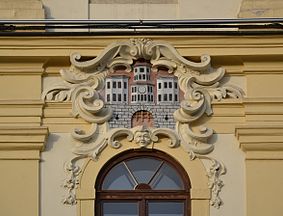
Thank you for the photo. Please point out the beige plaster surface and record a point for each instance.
(19, 87)
(261, 8)
(256, 61)
(182, 9)
(21, 9)
(233, 193)
(58, 151)
(19, 183)
(264, 187)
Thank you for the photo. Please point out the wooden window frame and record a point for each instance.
(142, 196)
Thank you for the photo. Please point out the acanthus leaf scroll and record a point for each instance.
(199, 81)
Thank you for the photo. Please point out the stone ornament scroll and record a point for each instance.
(199, 82)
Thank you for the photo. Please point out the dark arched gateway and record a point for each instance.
(142, 117)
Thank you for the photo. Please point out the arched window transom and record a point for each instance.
(143, 183)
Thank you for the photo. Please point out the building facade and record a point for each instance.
(157, 124)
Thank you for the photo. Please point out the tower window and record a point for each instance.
(165, 97)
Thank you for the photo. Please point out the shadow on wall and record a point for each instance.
(52, 138)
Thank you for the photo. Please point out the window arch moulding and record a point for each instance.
(199, 83)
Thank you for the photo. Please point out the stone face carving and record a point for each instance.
(198, 80)
(142, 137)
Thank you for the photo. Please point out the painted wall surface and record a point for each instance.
(58, 152)
(183, 9)
(233, 192)
(139, 9)
(248, 133)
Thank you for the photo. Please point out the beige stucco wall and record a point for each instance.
(139, 9)
(233, 193)
(21, 9)
(58, 152)
(248, 136)
(125, 9)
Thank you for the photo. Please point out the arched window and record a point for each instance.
(142, 183)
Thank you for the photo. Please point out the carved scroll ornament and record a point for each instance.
(199, 81)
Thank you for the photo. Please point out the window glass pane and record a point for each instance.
(120, 209)
(165, 208)
(118, 179)
(167, 179)
(143, 168)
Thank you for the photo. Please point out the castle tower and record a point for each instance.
(142, 86)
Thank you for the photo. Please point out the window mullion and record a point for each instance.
(157, 170)
(131, 174)
(143, 208)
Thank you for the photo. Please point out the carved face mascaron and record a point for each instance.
(142, 138)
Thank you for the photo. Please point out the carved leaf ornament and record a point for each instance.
(198, 80)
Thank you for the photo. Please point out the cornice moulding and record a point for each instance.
(250, 100)
(21, 71)
(186, 46)
(260, 137)
(23, 138)
(21, 102)
(268, 108)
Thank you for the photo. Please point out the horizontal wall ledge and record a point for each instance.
(23, 138)
(260, 140)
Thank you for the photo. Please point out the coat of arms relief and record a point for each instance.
(142, 89)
